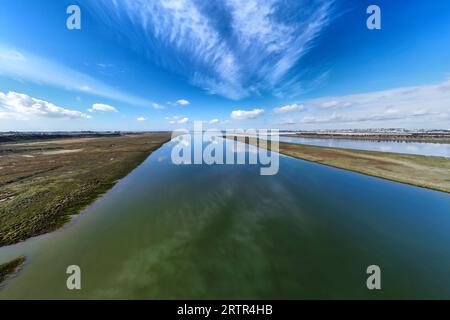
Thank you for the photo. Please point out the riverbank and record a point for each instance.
(10, 268)
(44, 183)
(422, 171)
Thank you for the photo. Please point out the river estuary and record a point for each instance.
(224, 231)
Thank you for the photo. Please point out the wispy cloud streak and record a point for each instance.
(27, 66)
(421, 106)
(236, 49)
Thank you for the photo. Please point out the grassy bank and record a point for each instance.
(43, 183)
(423, 171)
(9, 268)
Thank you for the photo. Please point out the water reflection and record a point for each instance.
(420, 148)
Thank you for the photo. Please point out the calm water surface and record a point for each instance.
(421, 148)
(169, 231)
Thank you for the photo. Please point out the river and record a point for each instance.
(224, 231)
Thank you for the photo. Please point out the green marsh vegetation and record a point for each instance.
(42, 184)
(6, 269)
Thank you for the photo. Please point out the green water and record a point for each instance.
(167, 232)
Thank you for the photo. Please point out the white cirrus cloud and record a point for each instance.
(214, 121)
(183, 120)
(183, 102)
(22, 65)
(158, 106)
(289, 122)
(244, 114)
(177, 119)
(423, 106)
(335, 104)
(21, 106)
(102, 108)
(257, 51)
(141, 119)
(289, 108)
(375, 117)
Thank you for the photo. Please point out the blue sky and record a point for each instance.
(162, 64)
